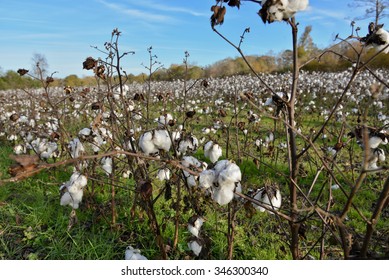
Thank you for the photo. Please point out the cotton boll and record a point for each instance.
(189, 143)
(85, 132)
(163, 174)
(106, 164)
(72, 199)
(230, 174)
(220, 165)
(163, 120)
(195, 247)
(19, 149)
(189, 161)
(207, 178)
(133, 254)
(146, 143)
(223, 194)
(126, 174)
(73, 190)
(76, 148)
(271, 196)
(78, 180)
(212, 151)
(161, 140)
(194, 225)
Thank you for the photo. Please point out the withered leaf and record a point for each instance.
(89, 63)
(218, 15)
(22, 72)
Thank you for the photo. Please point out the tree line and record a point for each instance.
(269, 63)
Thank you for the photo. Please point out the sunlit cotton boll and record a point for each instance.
(212, 151)
(132, 254)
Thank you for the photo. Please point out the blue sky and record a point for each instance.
(64, 31)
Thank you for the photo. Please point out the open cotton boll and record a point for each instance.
(78, 180)
(132, 254)
(212, 151)
(163, 120)
(76, 148)
(220, 165)
(146, 143)
(106, 164)
(230, 174)
(278, 10)
(19, 149)
(223, 194)
(85, 132)
(163, 174)
(189, 161)
(207, 178)
(72, 196)
(161, 140)
(194, 225)
(72, 199)
(195, 247)
(189, 143)
(270, 196)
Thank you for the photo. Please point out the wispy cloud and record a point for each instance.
(24, 20)
(328, 14)
(136, 13)
(166, 8)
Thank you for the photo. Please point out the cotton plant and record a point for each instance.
(73, 190)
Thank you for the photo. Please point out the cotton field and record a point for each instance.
(218, 147)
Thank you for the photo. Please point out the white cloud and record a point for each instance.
(166, 8)
(136, 13)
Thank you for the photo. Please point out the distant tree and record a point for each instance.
(73, 81)
(374, 9)
(40, 65)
